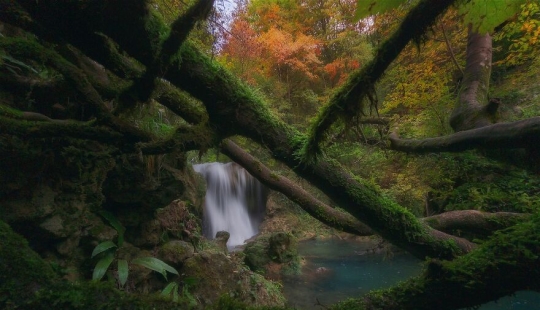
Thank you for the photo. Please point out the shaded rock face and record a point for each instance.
(51, 190)
(153, 200)
(282, 247)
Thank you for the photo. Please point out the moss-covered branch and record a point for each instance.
(29, 49)
(508, 262)
(475, 222)
(168, 50)
(185, 138)
(316, 208)
(347, 101)
(180, 103)
(234, 109)
(519, 134)
(41, 129)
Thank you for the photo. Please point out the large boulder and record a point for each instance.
(175, 252)
(271, 252)
(215, 274)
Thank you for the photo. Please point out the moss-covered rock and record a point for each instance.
(282, 247)
(277, 248)
(256, 253)
(217, 274)
(221, 240)
(176, 252)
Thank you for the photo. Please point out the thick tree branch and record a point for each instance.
(319, 210)
(180, 29)
(347, 101)
(472, 221)
(179, 103)
(374, 120)
(32, 50)
(519, 134)
(41, 128)
(185, 138)
(234, 109)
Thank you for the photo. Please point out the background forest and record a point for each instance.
(296, 53)
(416, 121)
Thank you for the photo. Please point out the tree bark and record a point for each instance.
(472, 221)
(473, 109)
(519, 134)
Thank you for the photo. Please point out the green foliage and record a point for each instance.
(156, 265)
(115, 223)
(513, 192)
(102, 247)
(365, 8)
(172, 289)
(123, 271)
(13, 65)
(102, 266)
(521, 37)
(485, 15)
(108, 249)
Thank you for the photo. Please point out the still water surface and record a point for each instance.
(334, 270)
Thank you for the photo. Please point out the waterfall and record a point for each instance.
(235, 202)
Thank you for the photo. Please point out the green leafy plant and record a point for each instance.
(108, 250)
(172, 291)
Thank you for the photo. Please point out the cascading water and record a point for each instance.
(235, 202)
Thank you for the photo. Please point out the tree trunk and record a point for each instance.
(472, 109)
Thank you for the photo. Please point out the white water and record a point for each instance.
(235, 202)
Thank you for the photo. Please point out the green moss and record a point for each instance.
(228, 303)
(10, 112)
(256, 254)
(22, 271)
